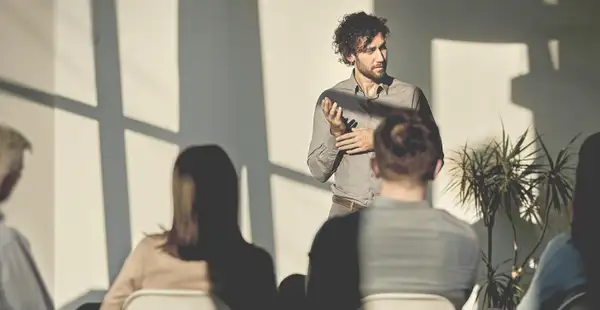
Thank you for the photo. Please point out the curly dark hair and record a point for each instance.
(347, 39)
(406, 147)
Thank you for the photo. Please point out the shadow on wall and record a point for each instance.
(112, 134)
(221, 93)
(221, 102)
(564, 99)
(222, 97)
(261, 220)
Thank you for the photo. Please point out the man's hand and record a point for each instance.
(358, 141)
(333, 115)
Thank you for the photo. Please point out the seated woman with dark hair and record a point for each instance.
(399, 243)
(204, 249)
(571, 261)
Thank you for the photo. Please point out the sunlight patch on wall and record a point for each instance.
(554, 47)
(74, 51)
(80, 234)
(244, 213)
(297, 68)
(148, 46)
(150, 172)
(299, 210)
(472, 90)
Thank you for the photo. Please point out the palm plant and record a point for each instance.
(503, 176)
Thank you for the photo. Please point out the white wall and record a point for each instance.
(475, 116)
(157, 75)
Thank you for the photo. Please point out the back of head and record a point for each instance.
(12, 146)
(586, 210)
(405, 148)
(292, 293)
(205, 196)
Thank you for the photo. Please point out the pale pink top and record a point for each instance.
(149, 267)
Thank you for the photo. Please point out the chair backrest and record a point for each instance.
(576, 301)
(395, 301)
(173, 299)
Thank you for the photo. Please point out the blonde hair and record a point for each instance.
(185, 226)
(184, 230)
(12, 146)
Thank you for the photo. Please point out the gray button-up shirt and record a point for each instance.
(354, 178)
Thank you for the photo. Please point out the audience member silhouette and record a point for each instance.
(204, 248)
(292, 293)
(399, 243)
(571, 261)
(21, 285)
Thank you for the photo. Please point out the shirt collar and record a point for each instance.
(386, 202)
(384, 85)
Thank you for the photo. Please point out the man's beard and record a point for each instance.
(371, 74)
(7, 186)
(4, 195)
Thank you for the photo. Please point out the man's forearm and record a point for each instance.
(322, 152)
(322, 159)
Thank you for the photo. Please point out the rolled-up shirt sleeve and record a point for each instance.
(322, 153)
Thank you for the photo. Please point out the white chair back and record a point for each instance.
(399, 301)
(173, 300)
(577, 301)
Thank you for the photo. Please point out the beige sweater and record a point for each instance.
(149, 267)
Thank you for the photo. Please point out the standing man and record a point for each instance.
(346, 114)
